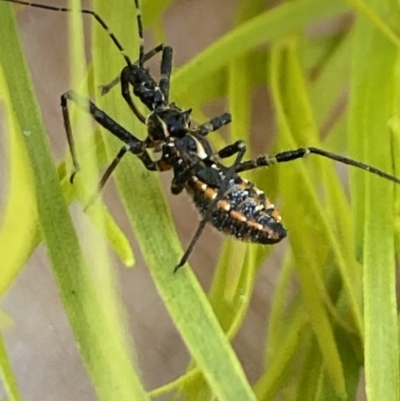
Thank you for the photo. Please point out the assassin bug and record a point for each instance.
(232, 205)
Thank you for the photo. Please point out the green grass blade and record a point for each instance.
(7, 375)
(305, 384)
(375, 19)
(351, 365)
(151, 220)
(315, 337)
(290, 99)
(234, 277)
(374, 86)
(270, 25)
(20, 202)
(100, 340)
(112, 233)
(330, 84)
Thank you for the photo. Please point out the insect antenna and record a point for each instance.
(140, 31)
(83, 11)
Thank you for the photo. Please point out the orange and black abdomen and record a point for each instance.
(244, 211)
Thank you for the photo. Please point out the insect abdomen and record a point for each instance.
(243, 212)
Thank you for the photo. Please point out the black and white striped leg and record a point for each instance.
(133, 144)
(230, 150)
(144, 157)
(165, 71)
(291, 155)
(214, 124)
(125, 86)
(140, 32)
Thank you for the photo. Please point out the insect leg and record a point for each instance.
(165, 71)
(189, 249)
(231, 149)
(143, 156)
(107, 173)
(290, 155)
(151, 53)
(179, 181)
(214, 124)
(70, 138)
(124, 78)
(136, 146)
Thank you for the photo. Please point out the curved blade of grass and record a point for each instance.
(215, 86)
(338, 205)
(290, 100)
(305, 384)
(234, 276)
(109, 229)
(150, 217)
(351, 365)
(374, 87)
(20, 203)
(181, 292)
(326, 93)
(376, 20)
(102, 274)
(236, 270)
(281, 364)
(270, 25)
(7, 375)
(20, 195)
(100, 343)
(331, 80)
(112, 232)
(284, 335)
(234, 255)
